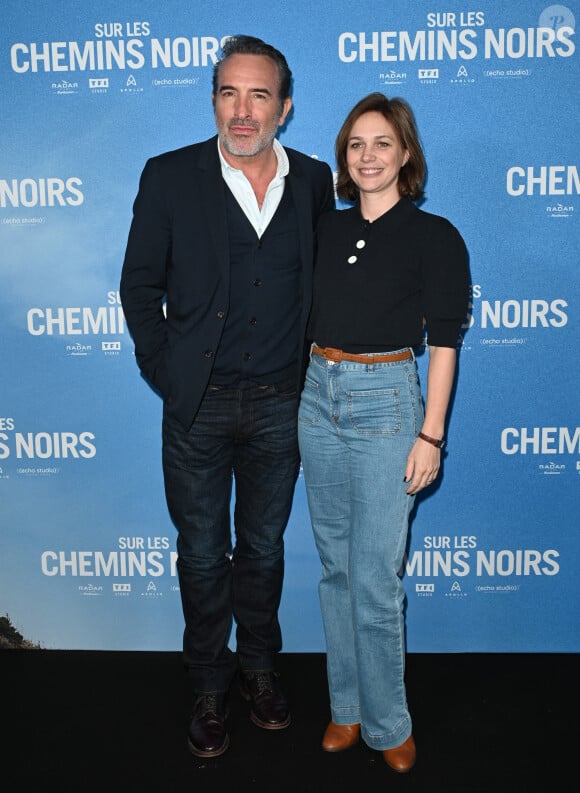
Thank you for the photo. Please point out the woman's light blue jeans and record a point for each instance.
(357, 423)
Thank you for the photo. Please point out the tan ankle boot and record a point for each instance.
(340, 736)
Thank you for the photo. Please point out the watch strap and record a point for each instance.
(438, 442)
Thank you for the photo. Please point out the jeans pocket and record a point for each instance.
(286, 388)
(375, 411)
(309, 410)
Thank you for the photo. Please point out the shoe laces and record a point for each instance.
(261, 681)
(207, 703)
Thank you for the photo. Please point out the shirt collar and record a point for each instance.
(283, 164)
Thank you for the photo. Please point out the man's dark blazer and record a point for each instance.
(175, 280)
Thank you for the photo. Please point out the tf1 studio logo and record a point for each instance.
(111, 346)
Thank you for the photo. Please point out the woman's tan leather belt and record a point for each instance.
(332, 354)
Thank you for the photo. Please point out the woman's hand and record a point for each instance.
(423, 464)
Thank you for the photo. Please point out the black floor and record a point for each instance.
(116, 721)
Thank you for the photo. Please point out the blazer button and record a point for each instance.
(221, 314)
(208, 353)
(258, 282)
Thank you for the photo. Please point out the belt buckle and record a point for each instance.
(337, 353)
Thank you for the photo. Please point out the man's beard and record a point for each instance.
(240, 146)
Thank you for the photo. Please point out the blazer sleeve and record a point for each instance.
(144, 276)
(326, 187)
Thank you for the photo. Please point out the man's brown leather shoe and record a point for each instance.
(401, 758)
(340, 736)
(269, 706)
(207, 735)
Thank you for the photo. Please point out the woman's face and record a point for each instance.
(374, 155)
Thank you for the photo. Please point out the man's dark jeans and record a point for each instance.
(246, 436)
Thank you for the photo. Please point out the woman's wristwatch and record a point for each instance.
(439, 443)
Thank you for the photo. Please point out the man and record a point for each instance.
(222, 233)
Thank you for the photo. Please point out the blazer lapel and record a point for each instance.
(213, 188)
(302, 198)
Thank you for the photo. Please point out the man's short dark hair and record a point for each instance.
(250, 45)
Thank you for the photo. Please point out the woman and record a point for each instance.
(385, 271)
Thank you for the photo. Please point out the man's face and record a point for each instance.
(246, 104)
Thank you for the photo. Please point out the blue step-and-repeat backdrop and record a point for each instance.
(89, 91)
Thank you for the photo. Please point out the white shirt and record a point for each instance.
(245, 196)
